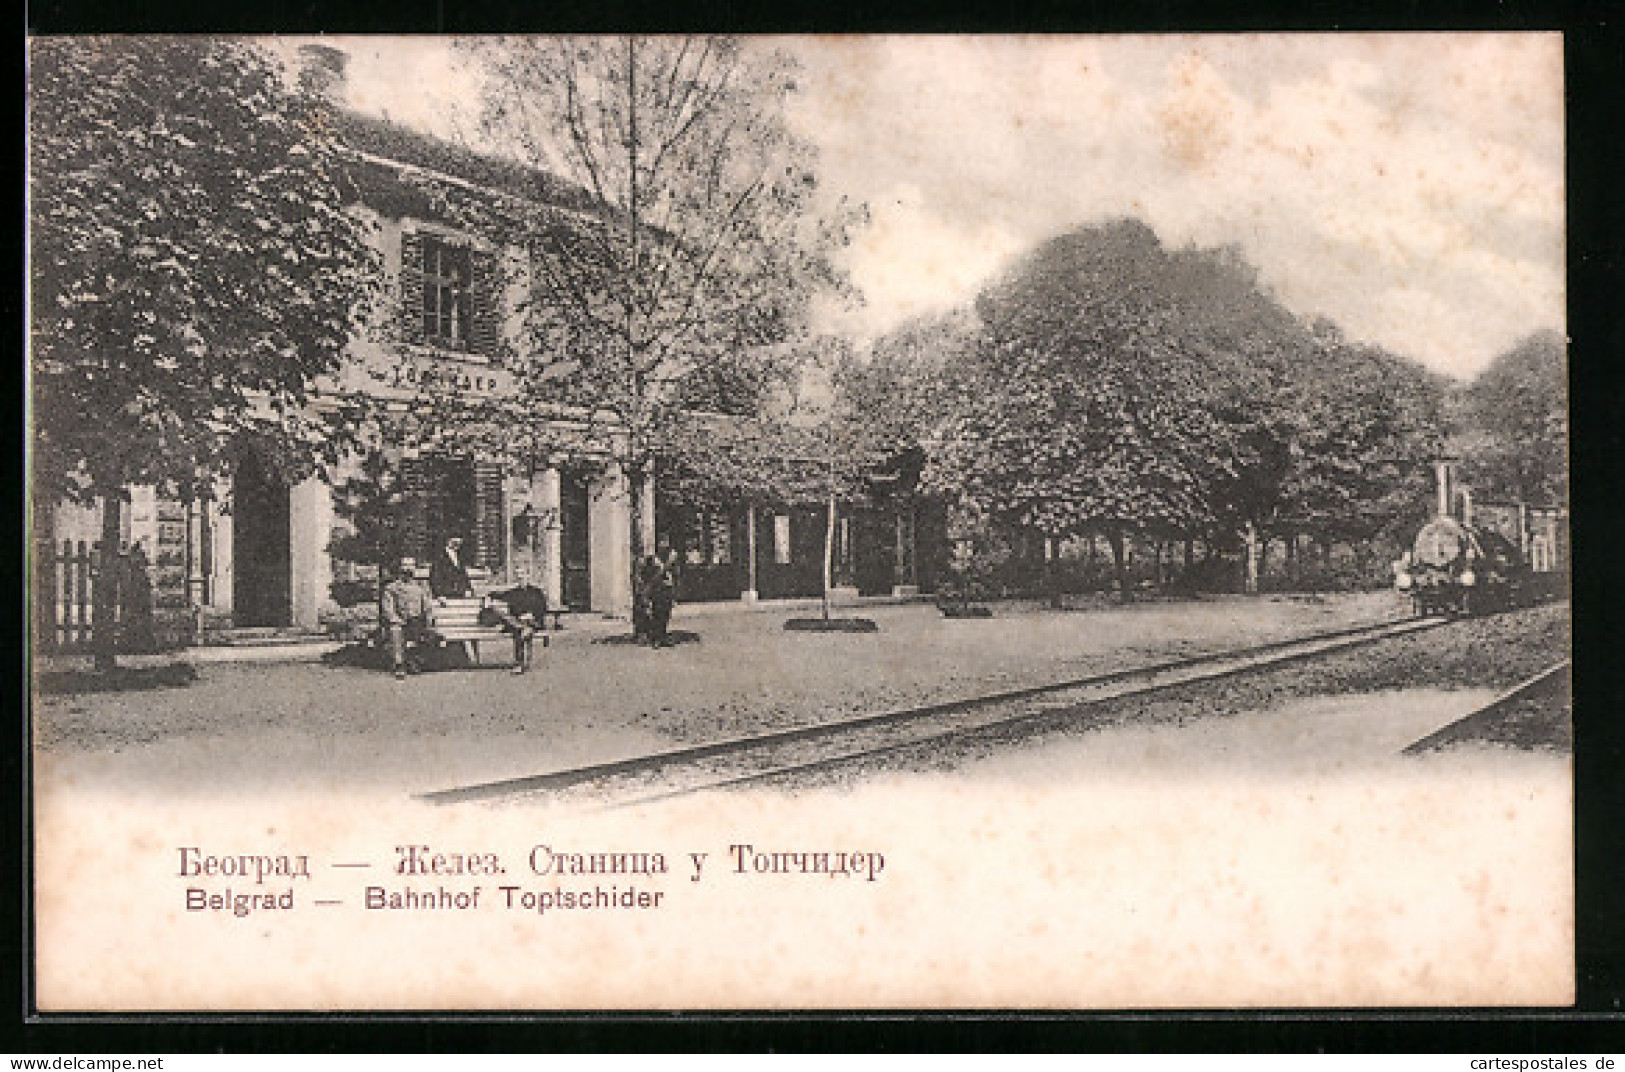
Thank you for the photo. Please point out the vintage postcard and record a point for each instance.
(870, 522)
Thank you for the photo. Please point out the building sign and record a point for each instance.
(438, 376)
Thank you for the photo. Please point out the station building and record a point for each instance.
(257, 553)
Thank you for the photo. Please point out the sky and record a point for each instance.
(1407, 186)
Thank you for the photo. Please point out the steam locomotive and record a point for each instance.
(1457, 566)
(1454, 568)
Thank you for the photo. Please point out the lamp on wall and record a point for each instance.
(530, 523)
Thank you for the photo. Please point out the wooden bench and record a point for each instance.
(457, 621)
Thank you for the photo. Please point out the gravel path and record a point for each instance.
(306, 727)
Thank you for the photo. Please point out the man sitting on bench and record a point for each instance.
(406, 609)
(520, 610)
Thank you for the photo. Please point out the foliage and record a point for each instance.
(1120, 388)
(1107, 414)
(194, 270)
(913, 379)
(1516, 413)
(193, 267)
(1367, 424)
(701, 238)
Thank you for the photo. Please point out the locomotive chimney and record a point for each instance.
(1444, 468)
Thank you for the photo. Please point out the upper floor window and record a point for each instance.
(448, 283)
(448, 294)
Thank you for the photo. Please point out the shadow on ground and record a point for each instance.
(832, 625)
(121, 679)
(675, 637)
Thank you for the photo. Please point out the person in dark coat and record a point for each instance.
(135, 593)
(448, 577)
(660, 584)
(520, 610)
(640, 600)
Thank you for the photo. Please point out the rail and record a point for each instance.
(1080, 692)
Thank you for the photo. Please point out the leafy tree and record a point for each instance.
(193, 268)
(1366, 425)
(696, 243)
(370, 500)
(810, 444)
(914, 378)
(1516, 415)
(1104, 406)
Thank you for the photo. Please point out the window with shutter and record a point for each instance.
(412, 286)
(488, 543)
(484, 329)
(449, 295)
(453, 496)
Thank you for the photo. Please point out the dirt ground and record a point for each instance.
(1263, 843)
(268, 728)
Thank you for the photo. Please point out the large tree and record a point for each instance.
(1117, 396)
(193, 269)
(695, 239)
(1366, 424)
(1517, 421)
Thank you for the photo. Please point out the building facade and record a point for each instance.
(265, 551)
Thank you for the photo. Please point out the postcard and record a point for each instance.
(874, 522)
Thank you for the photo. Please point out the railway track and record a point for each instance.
(746, 760)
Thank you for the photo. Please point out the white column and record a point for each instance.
(222, 582)
(548, 502)
(609, 528)
(310, 521)
(143, 519)
(749, 594)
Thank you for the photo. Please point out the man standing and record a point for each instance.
(448, 577)
(405, 609)
(660, 578)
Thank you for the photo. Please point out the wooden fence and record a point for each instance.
(69, 605)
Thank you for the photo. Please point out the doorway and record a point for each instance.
(261, 551)
(574, 540)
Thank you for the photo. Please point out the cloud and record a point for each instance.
(1408, 186)
(1362, 174)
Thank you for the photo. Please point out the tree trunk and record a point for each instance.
(636, 478)
(829, 552)
(1250, 577)
(750, 548)
(1052, 572)
(104, 636)
(1125, 593)
(1186, 580)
